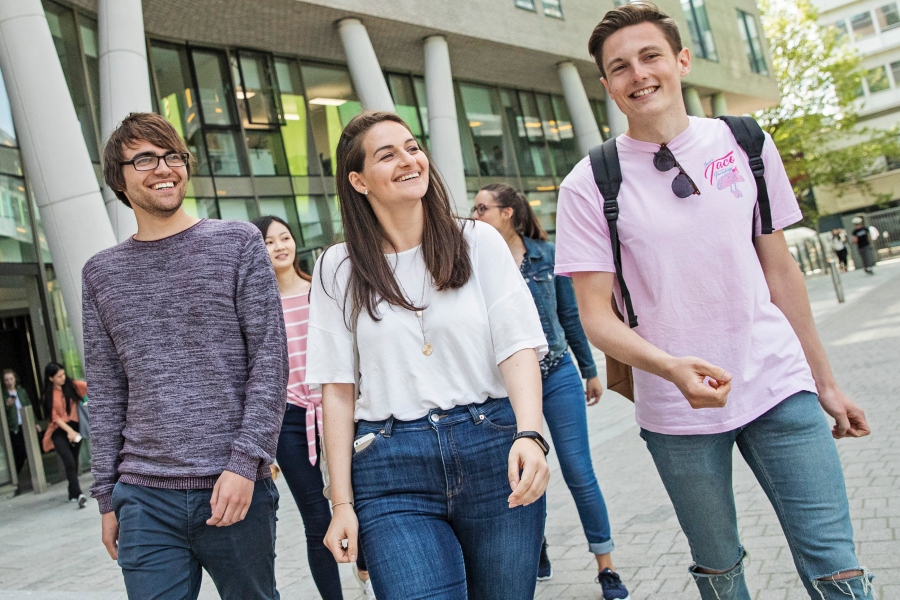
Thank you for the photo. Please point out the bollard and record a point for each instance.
(836, 280)
(7, 443)
(33, 448)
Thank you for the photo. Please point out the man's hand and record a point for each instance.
(526, 457)
(230, 499)
(109, 534)
(849, 419)
(704, 385)
(593, 389)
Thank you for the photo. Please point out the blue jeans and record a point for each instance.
(305, 482)
(566, 414)
(164, 541)
(795, 460)
(432, 501)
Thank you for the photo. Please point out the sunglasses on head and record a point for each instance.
(682, 186)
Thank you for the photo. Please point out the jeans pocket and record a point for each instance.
(368, 447)
(499, 416)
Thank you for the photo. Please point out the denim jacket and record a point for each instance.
(555, 300)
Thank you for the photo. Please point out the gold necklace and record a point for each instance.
(427, 349)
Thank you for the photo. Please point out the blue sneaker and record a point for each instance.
(612, 586)
(545, 569)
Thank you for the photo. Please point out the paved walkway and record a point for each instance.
(51, 551)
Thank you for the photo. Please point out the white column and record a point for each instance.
(583, 120)
(618, 122)
(719, 105)
(124, 85)
(365, 71)
(53, 149)
(443, 127)
(692, 102)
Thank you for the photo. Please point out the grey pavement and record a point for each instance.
(51, 551)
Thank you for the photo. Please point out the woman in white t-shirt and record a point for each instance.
(446, 329)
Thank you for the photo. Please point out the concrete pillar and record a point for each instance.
(719, 105)
(124, 85)
(443, 126)
(618, 122)
(583, 120)
(365, 71)
(53, 150)
(692, 102)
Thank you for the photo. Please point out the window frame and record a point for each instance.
(756, 55)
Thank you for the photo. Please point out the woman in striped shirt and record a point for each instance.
(298, 445)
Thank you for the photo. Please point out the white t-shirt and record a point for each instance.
(471, 329)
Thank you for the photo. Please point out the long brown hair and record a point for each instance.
(444, 247)
(524, 221)
(263, 224)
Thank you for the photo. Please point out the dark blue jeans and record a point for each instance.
(566, 414)
(431, 497)
(164, 541)
(305, 481)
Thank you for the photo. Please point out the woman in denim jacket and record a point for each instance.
(508, 211)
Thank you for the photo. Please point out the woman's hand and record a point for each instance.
(527, 458)
(72, 435)
(344, 526)
(593, 389)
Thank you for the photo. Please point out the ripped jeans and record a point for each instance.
(795, 460)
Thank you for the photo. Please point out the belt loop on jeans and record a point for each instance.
(387, 427)
(476, 416)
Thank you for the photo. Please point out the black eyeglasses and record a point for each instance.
(483, 208)
(682, 186)
(149, 162)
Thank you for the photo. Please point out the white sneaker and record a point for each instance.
(370, 591)
(81, 501)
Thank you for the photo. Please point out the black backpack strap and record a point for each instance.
(608, 176)
(749, 136)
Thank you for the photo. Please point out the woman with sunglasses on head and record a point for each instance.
(298, 452)
(61, 397)
(442, 477)
(508, 212)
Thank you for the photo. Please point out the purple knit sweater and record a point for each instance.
(186, 359)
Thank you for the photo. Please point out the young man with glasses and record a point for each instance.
(706, 283)
(186, 356)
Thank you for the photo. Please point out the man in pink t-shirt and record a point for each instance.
(706, 283)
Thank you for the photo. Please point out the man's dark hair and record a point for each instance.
(634, 13)
(134, 129)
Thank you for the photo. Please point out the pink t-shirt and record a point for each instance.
(296, 322)
(695, 280)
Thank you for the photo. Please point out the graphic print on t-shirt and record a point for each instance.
(724, 173)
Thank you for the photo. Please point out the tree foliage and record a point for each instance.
(815, 127)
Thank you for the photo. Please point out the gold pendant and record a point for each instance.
(427, 349)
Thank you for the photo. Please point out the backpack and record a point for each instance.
(608, 177)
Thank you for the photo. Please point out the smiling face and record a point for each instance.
(281, 246)
(159, 192)
(498, 217)
(643, 73)
(395, 168)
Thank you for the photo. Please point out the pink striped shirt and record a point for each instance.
(296, 321)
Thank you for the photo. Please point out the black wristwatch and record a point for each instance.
(538, 439)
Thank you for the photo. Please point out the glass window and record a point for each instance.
(238, 209)
(895, 71)
(68, 349)
(422, 99)
(88, 30)
(7, 129)
(470, 160)
(224, 158)
(301, 154)
(599, 107)
(862, 25)
(201, 208)
(526, 4)
(177, 99)
(332, 103)
(553, 8)
(405, 102)
(492, 143)
(65, 38)
(752, 42)
(561, 135)
(317, 223)
(841, 27)
(266, 153)
(212, 83)
(286, 209)
(877, 79)
(888, 17)
(528, 138)
(698, 25)
(16, 235)
(255, 90)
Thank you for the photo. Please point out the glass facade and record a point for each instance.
(698, 25)
(752, 42)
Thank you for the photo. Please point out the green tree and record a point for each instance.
(815, 126)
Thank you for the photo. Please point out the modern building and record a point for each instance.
(497, 90)
(872, 27)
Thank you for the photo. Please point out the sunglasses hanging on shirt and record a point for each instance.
(682, 186)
